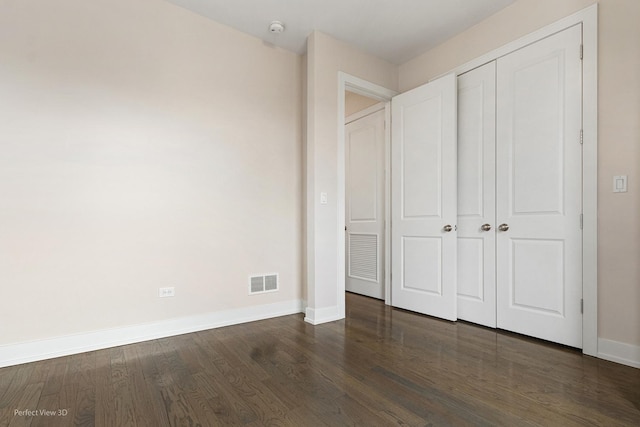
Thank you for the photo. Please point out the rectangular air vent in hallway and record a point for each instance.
(262, 284)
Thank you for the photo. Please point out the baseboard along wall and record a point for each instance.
(619, 352)
(32, 351)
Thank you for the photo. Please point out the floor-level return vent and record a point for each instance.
(262, 284)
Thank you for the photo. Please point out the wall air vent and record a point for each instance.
(262, 284)
(363, 256)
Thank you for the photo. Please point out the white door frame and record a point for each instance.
(370, 90)
(588, 17)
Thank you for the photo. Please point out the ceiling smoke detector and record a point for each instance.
(276, 27)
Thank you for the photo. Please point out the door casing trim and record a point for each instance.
(370, 90)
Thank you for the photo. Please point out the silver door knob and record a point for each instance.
(485, 227)
(503, 227)
(447, 228)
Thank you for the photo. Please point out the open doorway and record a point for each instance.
(373, 94)
(364, 134)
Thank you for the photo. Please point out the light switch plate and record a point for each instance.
(620, 184)
(323, 198)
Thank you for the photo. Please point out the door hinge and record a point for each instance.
(581, 221)
(581, 136)
(581, 306)
(581, 51)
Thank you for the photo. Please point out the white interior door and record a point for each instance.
(539, 166)
(364, 157)
(424, 201)
(476, 195)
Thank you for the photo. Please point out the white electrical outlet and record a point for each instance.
(167, 292)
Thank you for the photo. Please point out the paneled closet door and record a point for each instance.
(539, 167)
(476, 195)
(423, 238)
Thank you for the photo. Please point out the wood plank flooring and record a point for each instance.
(380, 366)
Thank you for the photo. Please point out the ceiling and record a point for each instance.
(395, 30)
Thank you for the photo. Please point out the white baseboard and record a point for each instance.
(24, 352)
(15, 354)
(626, 354)
(317, 316)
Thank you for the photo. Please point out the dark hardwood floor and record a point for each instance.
(380, 366)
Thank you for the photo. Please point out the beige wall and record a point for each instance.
(618, 137)
(354, 102)
(519, 19)
(141, 146)
(325, 58)
(619, 154)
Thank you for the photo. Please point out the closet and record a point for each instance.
(519, 191)
(516, 231)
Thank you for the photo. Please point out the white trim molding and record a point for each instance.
(619, 352)
(318, 316)
(32, 351)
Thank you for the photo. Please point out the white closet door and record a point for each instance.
(476, 195)
(424, 199)
(365, 205)
(539, 189)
